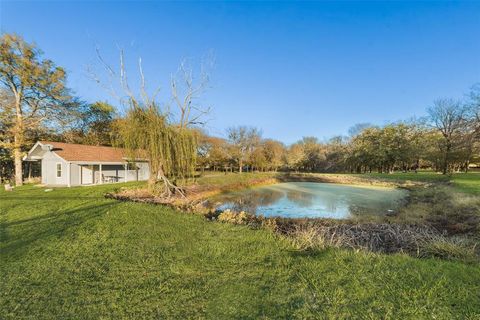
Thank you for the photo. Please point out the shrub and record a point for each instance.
(236, 218)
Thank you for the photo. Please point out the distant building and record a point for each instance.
(67, 164)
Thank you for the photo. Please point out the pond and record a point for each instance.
(313, 200)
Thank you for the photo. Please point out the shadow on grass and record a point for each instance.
(56, 198)
(16, 237)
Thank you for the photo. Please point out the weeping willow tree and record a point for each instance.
(171, 149)
(148, 132)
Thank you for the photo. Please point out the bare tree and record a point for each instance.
(187, 89)
(474, 108)
(449, 118)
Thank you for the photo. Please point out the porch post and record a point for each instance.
(68, 175)
(101, 178)
(80, 174)
(126, 171)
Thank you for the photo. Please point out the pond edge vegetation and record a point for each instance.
(436, 221)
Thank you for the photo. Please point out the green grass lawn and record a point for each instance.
(70, 253)
(465, 182)
(469, 183)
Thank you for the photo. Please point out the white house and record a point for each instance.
(68, 164)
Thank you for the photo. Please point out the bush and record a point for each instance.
(236, 218)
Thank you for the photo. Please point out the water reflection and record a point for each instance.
(301, 199)
(308, 199)
(251, 200)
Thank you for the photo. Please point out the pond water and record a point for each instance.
(313, 200)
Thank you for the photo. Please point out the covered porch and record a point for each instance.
(100, 173)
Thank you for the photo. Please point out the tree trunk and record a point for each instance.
(169, 188)
(446, 159)
(17, 152)
(240, 166)
(18, 139)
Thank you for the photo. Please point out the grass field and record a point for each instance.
(72, 254)
(465, 182)
(469, 183)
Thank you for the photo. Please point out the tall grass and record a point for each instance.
(417, 241)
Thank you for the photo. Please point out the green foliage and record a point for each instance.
(97, 122)
(384, 149)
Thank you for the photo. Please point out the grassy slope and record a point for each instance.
(70, 253)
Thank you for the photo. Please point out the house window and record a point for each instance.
(59, 170)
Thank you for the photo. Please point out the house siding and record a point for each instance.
(74, 174)
(49, 170)
(143, 171)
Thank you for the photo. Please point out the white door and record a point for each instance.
(87, 174)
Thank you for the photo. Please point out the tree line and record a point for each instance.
(36, 104)
(446, 140)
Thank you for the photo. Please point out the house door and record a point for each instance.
(87, 174)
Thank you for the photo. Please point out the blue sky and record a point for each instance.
(292, 69)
